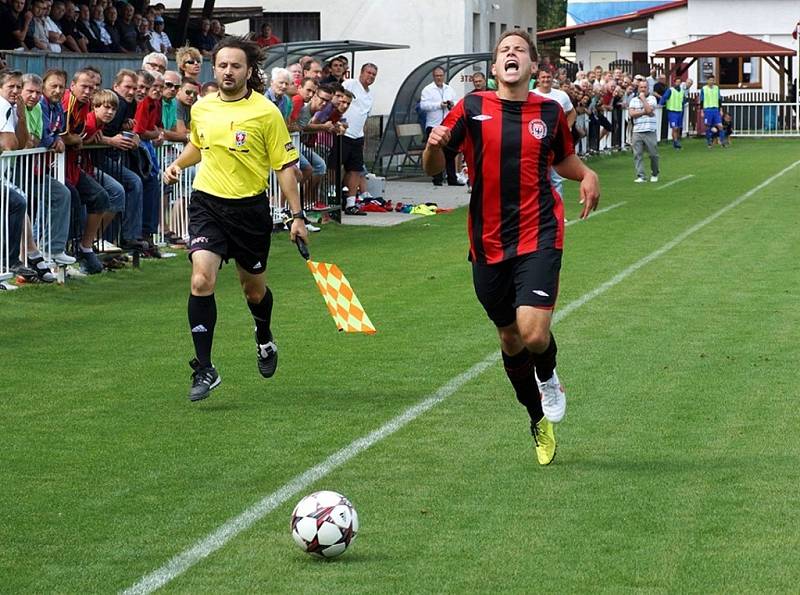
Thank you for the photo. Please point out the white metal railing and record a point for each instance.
(26, 171)
(174, 209)
(763, 119)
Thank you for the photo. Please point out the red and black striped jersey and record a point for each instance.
(510, 147)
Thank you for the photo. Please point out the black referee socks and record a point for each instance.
(202, 319)
(262, 315)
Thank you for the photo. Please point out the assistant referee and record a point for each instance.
(239, 135)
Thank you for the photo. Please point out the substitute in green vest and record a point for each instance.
(711, 101)
(674, 99)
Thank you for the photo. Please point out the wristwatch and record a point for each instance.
(299, 215)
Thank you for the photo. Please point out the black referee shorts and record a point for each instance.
(233, 228)
(527, 280)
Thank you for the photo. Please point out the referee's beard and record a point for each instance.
(238, 88)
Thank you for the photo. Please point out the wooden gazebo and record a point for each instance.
(730, 45)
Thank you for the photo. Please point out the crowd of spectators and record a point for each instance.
(95, 26)
(109, 132)
(601, 97)
(329, 110)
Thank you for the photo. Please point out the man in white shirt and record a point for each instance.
(544, 87)
(436, 101)
(159, 40)
(352, 154)
(642, 110)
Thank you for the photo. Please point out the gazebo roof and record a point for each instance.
(725, 44)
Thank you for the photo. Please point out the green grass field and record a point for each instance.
(679, 458)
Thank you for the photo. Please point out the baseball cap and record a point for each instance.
(158, 19)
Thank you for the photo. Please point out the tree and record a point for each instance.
(551, 14)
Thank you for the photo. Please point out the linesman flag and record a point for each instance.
(342, 302)
(796, 30)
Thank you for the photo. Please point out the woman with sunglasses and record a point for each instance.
(189, 61)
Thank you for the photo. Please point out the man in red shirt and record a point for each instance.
(267, 38)
(511, 138)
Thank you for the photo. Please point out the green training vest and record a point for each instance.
(710, 97)
(675, 100)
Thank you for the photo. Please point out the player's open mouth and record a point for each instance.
(511, 65)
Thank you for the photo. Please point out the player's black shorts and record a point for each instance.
(527, 280)
(233, 228)
(352, 154)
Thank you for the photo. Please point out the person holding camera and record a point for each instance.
(437, 99)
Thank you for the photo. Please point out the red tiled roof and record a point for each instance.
(725, 44)
(562, 32)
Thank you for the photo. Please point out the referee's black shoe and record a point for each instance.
(204, 380)
(267, 357)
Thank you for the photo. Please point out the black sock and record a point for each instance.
(202, 319)
(262, 315)
(546, 362)
(519, 369)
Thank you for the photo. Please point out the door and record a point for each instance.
(602, 59)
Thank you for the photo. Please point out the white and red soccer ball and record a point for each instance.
(324, 524)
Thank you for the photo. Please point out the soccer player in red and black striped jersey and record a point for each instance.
(511, 138)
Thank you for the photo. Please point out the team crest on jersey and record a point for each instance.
(537, 128)
(241, 137)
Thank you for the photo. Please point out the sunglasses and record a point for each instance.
(169, 85)
(191, 62)
(190, 93)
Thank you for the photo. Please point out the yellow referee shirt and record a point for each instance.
(240, 141)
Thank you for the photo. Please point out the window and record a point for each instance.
(492, 34)
(503, 27)
(739, 71)
(292, 26)
(476, 32)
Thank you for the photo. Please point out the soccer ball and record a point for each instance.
(324, 524)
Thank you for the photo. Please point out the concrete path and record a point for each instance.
(415, 191)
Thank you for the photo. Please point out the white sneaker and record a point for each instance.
(554, 401)
(653, 179)
(106, 246)
(4, 286)
(640, 180)
(311, 227)
(63, 258)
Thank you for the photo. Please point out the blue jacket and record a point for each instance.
(53, 119)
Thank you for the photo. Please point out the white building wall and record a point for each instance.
(431, 27)
(611, 40)
(667, 29)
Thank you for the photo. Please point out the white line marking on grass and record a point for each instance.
(597, 212)
(231, 528)
(668, 184)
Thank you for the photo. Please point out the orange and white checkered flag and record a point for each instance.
(342, 302)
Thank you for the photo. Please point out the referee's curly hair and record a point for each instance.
(255, 57)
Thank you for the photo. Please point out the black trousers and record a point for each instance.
(450, 164)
